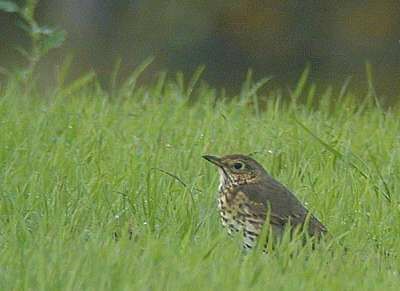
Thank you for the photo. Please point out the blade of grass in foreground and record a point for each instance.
(386, 194)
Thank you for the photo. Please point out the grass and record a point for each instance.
(79, 167)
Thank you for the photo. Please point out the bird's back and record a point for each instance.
(283, 205)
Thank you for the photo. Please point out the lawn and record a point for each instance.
(106, 191)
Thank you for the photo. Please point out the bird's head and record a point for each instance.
(237, 169)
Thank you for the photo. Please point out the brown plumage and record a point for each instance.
(247, 193)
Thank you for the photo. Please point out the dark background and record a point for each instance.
(274, 38)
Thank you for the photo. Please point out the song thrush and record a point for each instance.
(247, 194)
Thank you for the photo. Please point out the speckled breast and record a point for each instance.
(230, 209)
(236, 216)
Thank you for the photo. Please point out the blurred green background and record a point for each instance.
(274, 38)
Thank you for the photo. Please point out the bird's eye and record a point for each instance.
(238, 166)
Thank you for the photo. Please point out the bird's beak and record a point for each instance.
(213, 159)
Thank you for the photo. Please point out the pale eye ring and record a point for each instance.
(238, 166)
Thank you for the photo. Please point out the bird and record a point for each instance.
(248, 196)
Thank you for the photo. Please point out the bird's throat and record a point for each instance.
(224, 179)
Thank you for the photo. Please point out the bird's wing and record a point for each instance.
(281, 204)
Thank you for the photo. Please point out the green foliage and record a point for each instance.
(43, 38)
(101, 193)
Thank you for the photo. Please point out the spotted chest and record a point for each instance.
(236, 216)
(232, 218)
